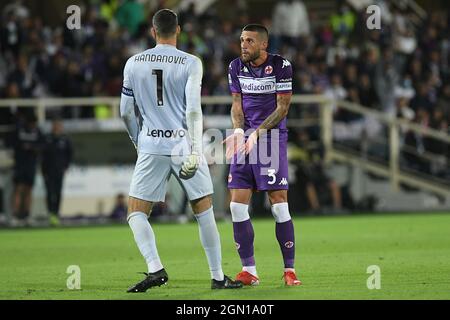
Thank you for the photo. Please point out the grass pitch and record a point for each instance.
(332, 254)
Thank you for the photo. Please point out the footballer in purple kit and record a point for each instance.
(261, 87)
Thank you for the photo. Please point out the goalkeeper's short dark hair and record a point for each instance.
(165, 22)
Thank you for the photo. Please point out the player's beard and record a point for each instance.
(251, 57)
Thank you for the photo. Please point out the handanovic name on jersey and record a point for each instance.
(158, 88)
(147, 57)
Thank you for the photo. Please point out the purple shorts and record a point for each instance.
(265, 168)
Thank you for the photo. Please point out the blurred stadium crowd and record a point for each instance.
(401, 69)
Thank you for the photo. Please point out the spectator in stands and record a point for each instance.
(343, 22)
(24, 76)
(11, 34)
(56, 158)
(119, 212)
(350, 75)
(130, 15)
(366, 92)
(108, 9)
(443, 102)
(27, 146)
(403, 109)
(415, 145)
(368, 61)
(405, 89)
(404, 40)
(386, 77)
(16, 8)
(6, 114)
(337, 89)
(290, 24)
(422, 98)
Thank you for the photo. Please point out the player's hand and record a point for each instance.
(233, 143)
(251, 142)
(190, 166)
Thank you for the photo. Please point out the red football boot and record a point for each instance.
(247, 278)
(290, 279)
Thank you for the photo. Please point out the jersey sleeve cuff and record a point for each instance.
(284, 86)
(284, 92)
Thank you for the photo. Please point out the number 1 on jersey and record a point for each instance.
(159, 86)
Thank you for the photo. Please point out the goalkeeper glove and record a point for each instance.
(190, 166)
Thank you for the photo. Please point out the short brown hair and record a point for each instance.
(254, 27)
(165, 22)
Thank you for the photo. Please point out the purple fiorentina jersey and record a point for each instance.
(259, 86)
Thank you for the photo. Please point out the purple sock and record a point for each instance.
(286, 238)
(243, 237)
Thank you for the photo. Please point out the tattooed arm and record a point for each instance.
(237, 114)
(283, 103)
(236, 140)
